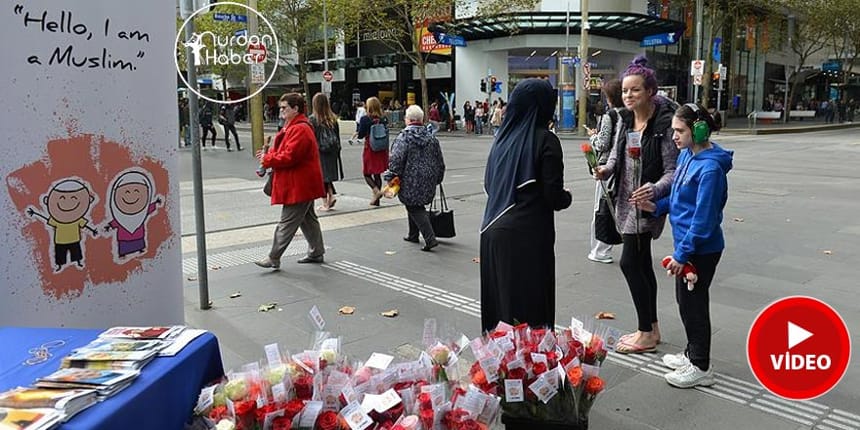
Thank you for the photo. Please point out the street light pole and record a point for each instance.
(786, 107)
(256, 110)
(325, 50)
(699, 34)
(583, 58)
(196, 162)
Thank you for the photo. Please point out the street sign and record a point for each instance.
(498, 87)
(229, 17)
(697, 68)
(586, 75)
(326, 87)
(328, 76)
(697, 80)
(831, 66)
(257, 52)
(717, 42)
(798, 348)
(447, 39)
(241, 32)
(659, 40)
(258, 73)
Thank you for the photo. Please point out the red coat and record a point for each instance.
(297, 176)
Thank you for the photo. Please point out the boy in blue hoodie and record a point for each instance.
(695, 207)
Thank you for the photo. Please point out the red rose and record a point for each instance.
(245, 407)
(293, 408)
(425, 401)
(453, 418)
(469, 425)
(585, 148)
(539, 368)
(218, 413)
(304, 386)
(594, 385)
(282, 423)
(457, 393)
(518, 373)
(497, 334)
(574, 376)
(266, 410)
(426, 416)
(634, 152)
(328, 420)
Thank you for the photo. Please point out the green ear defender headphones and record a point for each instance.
(701, 130)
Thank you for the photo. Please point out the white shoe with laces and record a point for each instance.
(605, 259)
(676, 361)
(691, 376)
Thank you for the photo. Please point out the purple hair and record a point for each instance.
(639, 66)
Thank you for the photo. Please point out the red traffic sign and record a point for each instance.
(257, 52)
(328, 76)
(798, 348)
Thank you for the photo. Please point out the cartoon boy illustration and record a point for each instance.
(131, 202)
(68, 203)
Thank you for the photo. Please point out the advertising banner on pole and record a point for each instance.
(90, 166)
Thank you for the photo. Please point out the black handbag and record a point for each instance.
(442, 220)
(604, 224)
(267, 188)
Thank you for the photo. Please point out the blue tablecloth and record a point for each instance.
(162, 397)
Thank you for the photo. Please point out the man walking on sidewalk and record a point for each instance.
(227, 118)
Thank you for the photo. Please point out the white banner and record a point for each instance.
(91, 196)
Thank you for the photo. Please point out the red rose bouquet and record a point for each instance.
(540, 375)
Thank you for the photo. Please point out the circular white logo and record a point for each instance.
(224, 50)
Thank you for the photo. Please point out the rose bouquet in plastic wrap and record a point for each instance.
(541, 375)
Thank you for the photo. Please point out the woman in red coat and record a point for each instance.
(296, 182)
(375, 162)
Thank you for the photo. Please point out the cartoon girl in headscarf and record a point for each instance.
(132, 200)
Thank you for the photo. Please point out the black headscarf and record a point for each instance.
(511, 164)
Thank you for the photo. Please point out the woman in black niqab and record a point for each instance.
(524, 182)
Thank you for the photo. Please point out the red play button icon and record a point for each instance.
(798, 348)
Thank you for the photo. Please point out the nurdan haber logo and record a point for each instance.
(798, 348)
(223, 50)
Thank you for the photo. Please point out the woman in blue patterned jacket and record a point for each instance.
(416, 158)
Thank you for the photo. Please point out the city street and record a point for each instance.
(791, 228)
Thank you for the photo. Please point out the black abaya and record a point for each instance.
(518, 249)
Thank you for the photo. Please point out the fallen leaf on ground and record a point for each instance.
(605, 315)
(235, 295)
(191, 278)
(738, 220)
(216, 267)
(476, 260)
(390, 314)
(390, 252)
(346, 310)
(267, 307)
(828, 252)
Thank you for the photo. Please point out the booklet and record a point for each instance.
(67, 401)
(122, 345)
(142, 332)
(28, 419)
(86, 377)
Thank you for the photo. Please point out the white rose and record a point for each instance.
(225, 425)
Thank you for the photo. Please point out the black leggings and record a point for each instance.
(373, 181)
(638, 269)
(694, 307)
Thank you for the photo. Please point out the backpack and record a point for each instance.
(328, 138)
(378, 136)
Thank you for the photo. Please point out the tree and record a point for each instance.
(298, 24)
(405, 18)
(810, 34)
(844, 33)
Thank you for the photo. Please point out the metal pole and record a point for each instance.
(699, 13)
(583, 58)
(325, 44)
(196, 168)
(256, 101)
(786, 107)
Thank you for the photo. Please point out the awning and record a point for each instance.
(804, 76)
(628, 26)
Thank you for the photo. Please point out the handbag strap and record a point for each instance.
(443, 202)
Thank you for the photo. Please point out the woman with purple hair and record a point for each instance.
(643, 162)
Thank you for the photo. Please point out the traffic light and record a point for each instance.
(716, 76)
(483, 86)
(493, 82)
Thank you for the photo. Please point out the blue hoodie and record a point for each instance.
(695, 204)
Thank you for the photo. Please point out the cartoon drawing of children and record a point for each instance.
(67, 203)
(132, 200)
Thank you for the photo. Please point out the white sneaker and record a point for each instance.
(607, 259)
(691, 376)
(676, 361)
